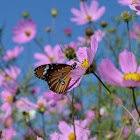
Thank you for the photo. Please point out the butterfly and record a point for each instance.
(56, 75)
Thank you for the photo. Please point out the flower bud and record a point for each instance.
(48, 29)
(126, 16)
(70, 53)
(42, 109)
(103, 24)
(25, 14)
(89, 31)
(68, 31)
(54, 12)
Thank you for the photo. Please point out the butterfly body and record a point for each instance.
(56, 75)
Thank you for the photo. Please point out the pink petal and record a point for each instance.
(94, 6)
(110, 73)
(83, 7)
(76, 12)
(127, 62)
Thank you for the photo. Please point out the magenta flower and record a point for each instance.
(136, 33)
(90, 116)
(72, 44)
(35, 90)
(52, 55)
(12, 54)
(130, 76)
(85, 56)
(25, 31)
(68, 133)
(87, 14)
(127, 2)
(68, 31)
(86, 41)
(135, 7)
(39, 138)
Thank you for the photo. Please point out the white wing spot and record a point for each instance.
(46, 69)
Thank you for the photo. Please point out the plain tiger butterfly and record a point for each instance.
(56, 75)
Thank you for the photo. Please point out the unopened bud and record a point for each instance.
(48, 29)
(89, 31)
(103, 24)
(42, 109)
(70, 53)
(25, 14)
(126, 16)
(54, 12)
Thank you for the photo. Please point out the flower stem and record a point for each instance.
(73, 112)
(128, 36)
(43, 124)
(116, 99)
(134, 99)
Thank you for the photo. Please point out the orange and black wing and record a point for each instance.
(56, 75)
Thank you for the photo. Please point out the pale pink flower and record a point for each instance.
(9, 75)
(90, 116)
(87, 14)
(55, 136)
(72, 44)
(25, 31)
(127, 2)
(85, 56)
(78, 106)
(86, 41)
(135, 7)
(12, 54)
(52, 55)
(39, 138)
(137, 132)
(68, 133)
(130, 76)
(136, 32)
(41, 102)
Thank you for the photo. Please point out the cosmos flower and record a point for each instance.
(68, 31)
(55, 136)
(52, 55)
(130, 76)
(25, 31)
(85, 56)
(135, 7)
(67, 132)
(136, 32)
(39, 138)
(9, 75)
(87, 14)
(86, 41)
(127, 2)
(12, 54)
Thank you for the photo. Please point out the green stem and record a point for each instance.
(117, 99)
(134, 99)
(128, 36)
(73, 112)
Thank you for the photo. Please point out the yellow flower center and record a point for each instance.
(84, 63)
(133, 76)
(8, 78)
(134, 1)
(88, 17)
(40, 105)
(71, 136)
(9, 98)
(51, 58)
(9, 122)
(28, 32)
(7, 138)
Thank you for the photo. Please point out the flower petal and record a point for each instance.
(127, 62)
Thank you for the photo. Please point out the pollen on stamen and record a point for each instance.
(28, 33)
(84, 63)
(88, 17)
(132, 76)
(71, 136)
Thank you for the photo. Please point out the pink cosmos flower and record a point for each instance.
(135, 7)
(90, 116)
(25, 31)
(52, 55)
(130, 76)
(12, 54)
(86, 41)
(68, 133)
(85, 56)
(136, 33)
(55, 136)
(127, 2)
(35, 90)
(39, 138)
(72, 44)
(68, 31)
(78, 106)
(8, 134)
(9, 75)
(87, 14)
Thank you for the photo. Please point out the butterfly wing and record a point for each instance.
(56, 75)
